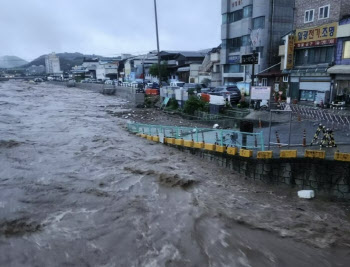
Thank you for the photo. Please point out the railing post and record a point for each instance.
(196, 134)
(262, 141)
(222, 137)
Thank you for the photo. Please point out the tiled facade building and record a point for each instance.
(317, 48)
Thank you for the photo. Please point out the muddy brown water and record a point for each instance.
(78, 190)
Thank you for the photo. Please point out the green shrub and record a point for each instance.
(173, 104)
(195, 103)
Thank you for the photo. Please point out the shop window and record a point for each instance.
(259, 23)
(247, 11)
(324, 12)
(316, 55)
(309, 16)
(346, 52)
(306, 95)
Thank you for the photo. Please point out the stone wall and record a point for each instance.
(328, 178)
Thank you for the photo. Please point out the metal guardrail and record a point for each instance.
(335, 119)
(228, 138)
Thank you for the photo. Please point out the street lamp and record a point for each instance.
(156, 18)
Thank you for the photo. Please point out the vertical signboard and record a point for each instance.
(289, 53)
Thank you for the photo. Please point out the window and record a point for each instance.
(224, 18)
(314, 55)
(234, 45)
(259, 23)
(246, 40)
(264, 81)
(233, 68)
(324, 12)
(235, 16)
(309, 15)
(346, 52)
(260, 49)
(247, 11)
(285, 79)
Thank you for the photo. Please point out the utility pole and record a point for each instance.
(156, 18)
(253, 70)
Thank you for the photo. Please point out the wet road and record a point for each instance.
(78, 190)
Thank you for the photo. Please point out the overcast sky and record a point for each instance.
(30, 28)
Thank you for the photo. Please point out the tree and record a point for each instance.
(164, 72)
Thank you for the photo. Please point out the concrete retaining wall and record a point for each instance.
(128, 93)
(327, 178)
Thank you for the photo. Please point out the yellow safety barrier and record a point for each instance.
(188, 143)
(170, 141)
(143, 135)
(246, 153)
(155, 138)
(210, 147)
(198, 145)
(287, 154)
(149, 137)
(179, 142)
(342, 156)
(264, 154)
(232, 151)
(221, 149)
(315, 154)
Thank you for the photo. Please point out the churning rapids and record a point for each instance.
(78, 190)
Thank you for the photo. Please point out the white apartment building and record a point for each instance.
(52, 64)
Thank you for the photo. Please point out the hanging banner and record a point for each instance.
(318, 36)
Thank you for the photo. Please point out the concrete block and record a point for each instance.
(264, 154)
(188, 143)
(155, 138)
(342, 156)
(198, 145)
(210, 147)
(308, 194)
(246, 153)
(170, 141)
(232, 151)
(221, 149)
(143, 135)
(287, 154)
(150, 137)
(179, 142)
(315, 154)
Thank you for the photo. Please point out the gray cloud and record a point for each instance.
(30, 28)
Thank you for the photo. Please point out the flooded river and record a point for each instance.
(78, 190)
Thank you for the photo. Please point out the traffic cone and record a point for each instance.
(304, 138)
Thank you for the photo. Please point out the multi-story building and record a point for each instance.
(52, 64)
(341, 71)
(248, 25)
(314, 41)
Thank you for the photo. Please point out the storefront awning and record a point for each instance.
(339, 69)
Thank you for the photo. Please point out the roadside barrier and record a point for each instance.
(213, 140)
(219, 137)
